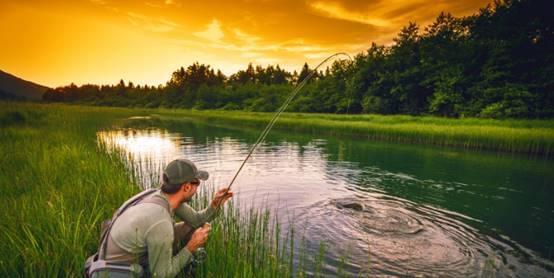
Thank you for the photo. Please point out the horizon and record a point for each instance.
(102, 42)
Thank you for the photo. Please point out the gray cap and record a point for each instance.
(181, 171)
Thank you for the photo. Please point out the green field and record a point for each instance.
(58, 184)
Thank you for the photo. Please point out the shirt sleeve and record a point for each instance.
(159, 240)
(193, 217)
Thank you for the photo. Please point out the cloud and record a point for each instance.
(301, 45)
(153, 5)
(244, 37)
(335, 10)
(158, 25)
(317, 56)
(99, 2)
(213, 32)
(173, 3)
(248, 54)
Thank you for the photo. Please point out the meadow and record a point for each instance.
(58, 184)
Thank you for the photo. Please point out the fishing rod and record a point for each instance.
(280, 110)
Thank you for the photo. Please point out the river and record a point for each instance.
(382, 209)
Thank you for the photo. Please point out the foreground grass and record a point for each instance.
(518, 136)
(57, 186)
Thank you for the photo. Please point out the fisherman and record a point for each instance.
(146, 232)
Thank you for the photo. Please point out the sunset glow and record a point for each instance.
(103, 41)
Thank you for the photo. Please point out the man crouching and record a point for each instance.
(146, 234)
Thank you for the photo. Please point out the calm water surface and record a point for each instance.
(385, 209)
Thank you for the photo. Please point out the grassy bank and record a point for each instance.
(517, 136)
(57, 186)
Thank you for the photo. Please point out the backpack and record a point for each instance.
(96, 265)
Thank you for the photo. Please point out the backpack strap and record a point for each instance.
(158, 200)
(129, 203)
(135, 200)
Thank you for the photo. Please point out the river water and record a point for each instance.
(381, 209)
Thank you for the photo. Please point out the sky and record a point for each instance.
(55, 43)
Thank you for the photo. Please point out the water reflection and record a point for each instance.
(150, 148)
(416, 211)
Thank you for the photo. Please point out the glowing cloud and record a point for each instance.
(152, 24)
(212, 33)
(335, 10)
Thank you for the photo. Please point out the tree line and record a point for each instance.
(497, 63)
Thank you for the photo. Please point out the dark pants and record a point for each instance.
(182, 232)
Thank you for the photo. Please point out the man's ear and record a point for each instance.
(185, 188)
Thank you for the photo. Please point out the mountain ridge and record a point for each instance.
(14, 87)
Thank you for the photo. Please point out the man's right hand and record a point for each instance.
(199, 238)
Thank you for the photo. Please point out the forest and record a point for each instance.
(497, 63)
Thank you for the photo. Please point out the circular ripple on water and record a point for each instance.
(380, 220)
(402, 237)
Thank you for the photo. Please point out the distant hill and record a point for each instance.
(13, 87)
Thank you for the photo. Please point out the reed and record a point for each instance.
(246, 243)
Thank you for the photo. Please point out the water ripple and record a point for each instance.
(403, 238)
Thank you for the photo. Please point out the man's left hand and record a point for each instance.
(221, 196)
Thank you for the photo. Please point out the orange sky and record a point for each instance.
(101, 41)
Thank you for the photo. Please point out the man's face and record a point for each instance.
(190, 189)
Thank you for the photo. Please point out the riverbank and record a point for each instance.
(534, 137)
(58, 184)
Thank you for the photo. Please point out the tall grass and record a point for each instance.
(58, 184)
(517, 136)
(245, 244)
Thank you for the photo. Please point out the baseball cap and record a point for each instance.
(181, 171)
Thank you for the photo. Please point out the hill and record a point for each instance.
(13, 87)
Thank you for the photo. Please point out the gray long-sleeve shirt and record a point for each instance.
(148, 228)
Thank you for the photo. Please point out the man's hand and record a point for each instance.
(221, 196)
(199, 238)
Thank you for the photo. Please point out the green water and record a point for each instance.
(425, 210)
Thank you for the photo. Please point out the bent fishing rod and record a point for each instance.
(279, 111)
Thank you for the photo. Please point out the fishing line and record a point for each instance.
(280, 110)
